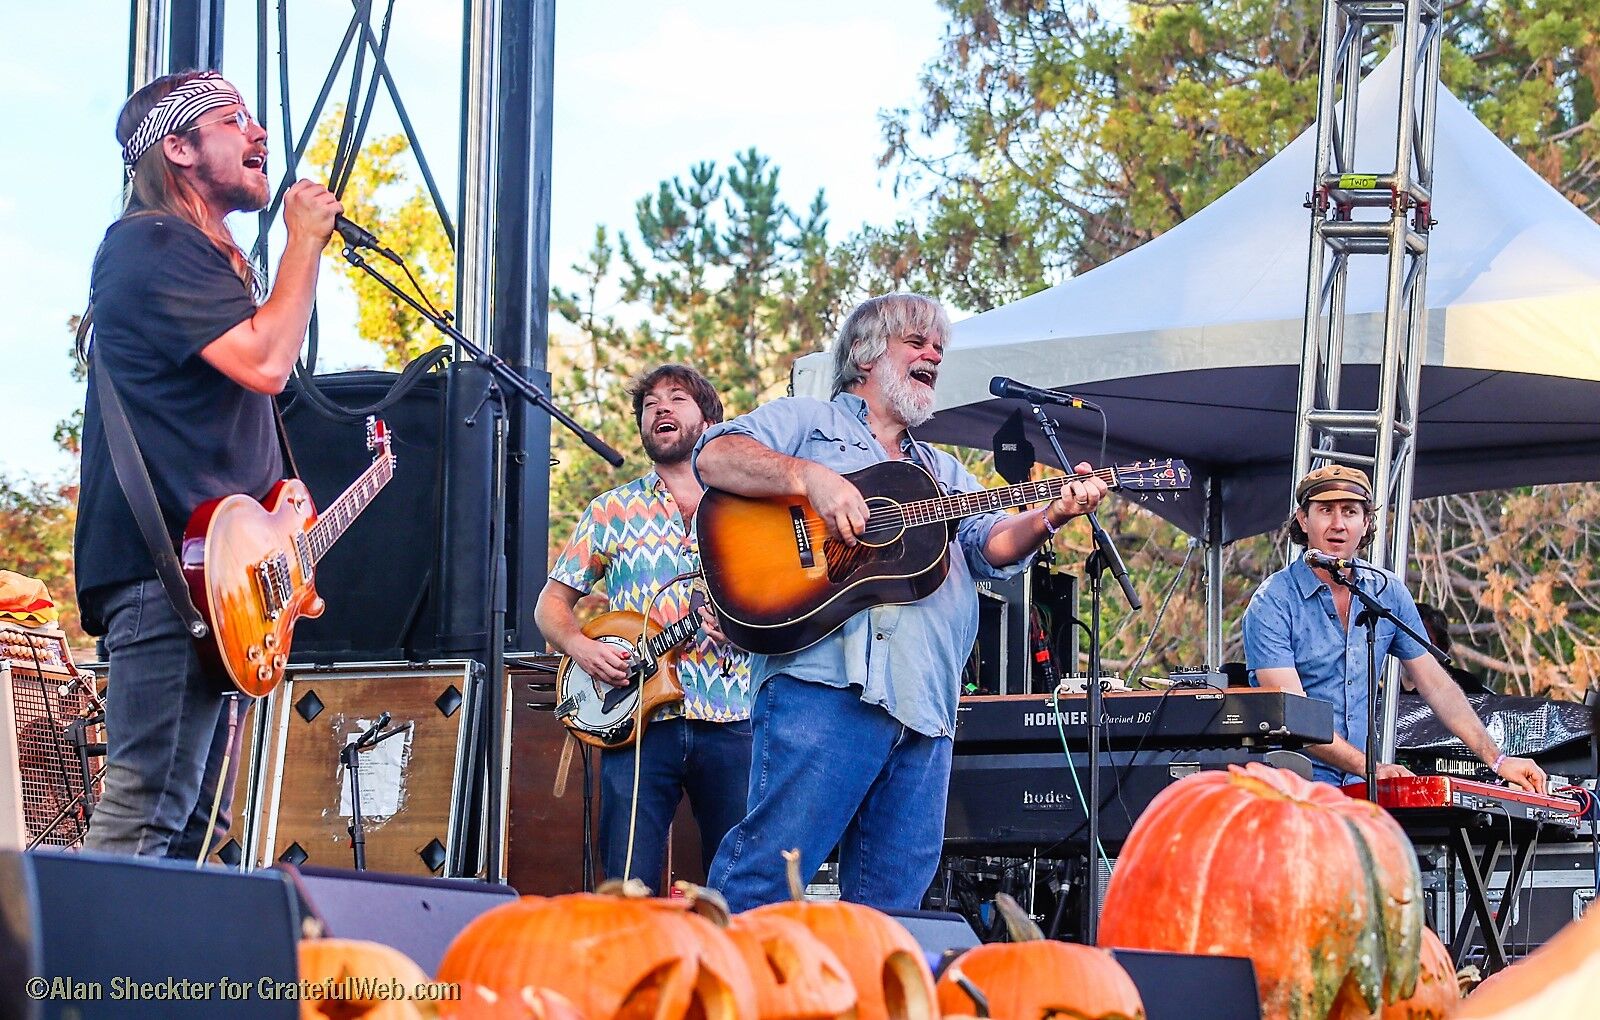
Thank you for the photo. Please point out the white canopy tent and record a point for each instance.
(1192, 341)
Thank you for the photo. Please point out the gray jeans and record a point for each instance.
(167, 728)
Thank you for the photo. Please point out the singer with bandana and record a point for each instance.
(196, 358)
(1300, 636)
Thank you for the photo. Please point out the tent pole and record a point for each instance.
(1213, 542)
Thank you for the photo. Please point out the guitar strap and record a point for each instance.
(134, 477)
(922, 462)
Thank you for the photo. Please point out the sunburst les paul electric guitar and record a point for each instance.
(251, 566)
(604, 715)
(779, 583)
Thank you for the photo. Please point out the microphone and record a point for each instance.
(357, 236)
(1317, 558)
(1001, 386)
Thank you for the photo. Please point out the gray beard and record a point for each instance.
(905, 398)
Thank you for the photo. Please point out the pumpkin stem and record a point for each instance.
(708, 903)
(1019, 925)
(631, 889)
(797, 885)
(980, 1001)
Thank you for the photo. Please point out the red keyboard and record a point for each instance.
(1407, 793)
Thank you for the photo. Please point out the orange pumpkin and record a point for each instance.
(1320, 890)
(796, 977)
(480, 1003)
(885, 963)
(1436, 997)
(1033, 977)
(614, 957)
(347, 968)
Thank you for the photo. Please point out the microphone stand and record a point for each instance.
(493, 702)
(348, 758)
(1369, 616)
(1105, 557)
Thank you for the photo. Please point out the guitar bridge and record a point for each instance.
(274, 584)
(802, 537)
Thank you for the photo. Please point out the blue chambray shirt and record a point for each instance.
(1291, 621)
(907, 659)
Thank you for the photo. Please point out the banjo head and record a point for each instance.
(593, 706)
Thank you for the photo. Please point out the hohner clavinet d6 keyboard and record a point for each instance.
(1202, 718)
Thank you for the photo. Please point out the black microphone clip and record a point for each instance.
(357, 236)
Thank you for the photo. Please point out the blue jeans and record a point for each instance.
(828, 769)
(709, 761)
(167, 729)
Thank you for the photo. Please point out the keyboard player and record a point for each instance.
(1299, 636)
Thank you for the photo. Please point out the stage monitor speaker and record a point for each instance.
(379, 578)
(123, 936)
(413, 785)
(938, 932)
(1176, 986)
(418, 916)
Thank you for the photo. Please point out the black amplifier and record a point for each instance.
(1008, 802)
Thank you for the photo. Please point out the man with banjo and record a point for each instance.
(853, 733)
(637, 540)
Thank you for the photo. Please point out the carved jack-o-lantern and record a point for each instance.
(795, 976)
(616, 958)
(885, 963)
(1031, 977)
(348, 968)
(477, 1002)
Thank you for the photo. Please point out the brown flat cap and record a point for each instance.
(1334, 481)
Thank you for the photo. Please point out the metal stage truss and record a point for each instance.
(1371, 211)
(502, 273)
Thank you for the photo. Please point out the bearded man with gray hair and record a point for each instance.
(852, 736)
(196, 358)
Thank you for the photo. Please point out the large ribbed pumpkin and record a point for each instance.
(353, 971)
(1320, 890)
(616, 958)
(886, 965)
(1032, 977)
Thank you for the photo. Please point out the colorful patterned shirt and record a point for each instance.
(634, 540)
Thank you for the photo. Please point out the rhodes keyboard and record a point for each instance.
(1448, 796)
(1202, 718)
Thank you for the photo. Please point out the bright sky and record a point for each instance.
(642, 90)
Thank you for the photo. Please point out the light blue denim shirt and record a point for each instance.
(1291, 621)
(908, 658)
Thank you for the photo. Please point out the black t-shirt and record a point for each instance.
(161, 293)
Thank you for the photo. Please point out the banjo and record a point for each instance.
(604, 715)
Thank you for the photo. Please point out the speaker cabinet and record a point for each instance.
(379, 578)
(413, 785)
(46, 738)
(1177, 986)
(418, 916)
(124, 936)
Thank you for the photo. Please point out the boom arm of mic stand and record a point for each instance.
(1378, 609)
(507, 375)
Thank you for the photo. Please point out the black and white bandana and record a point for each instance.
(177, 108)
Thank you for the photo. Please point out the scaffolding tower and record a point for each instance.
(1367, 210)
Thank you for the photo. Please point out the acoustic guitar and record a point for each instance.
(252, 566)
(779, 583)
(602, 715)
